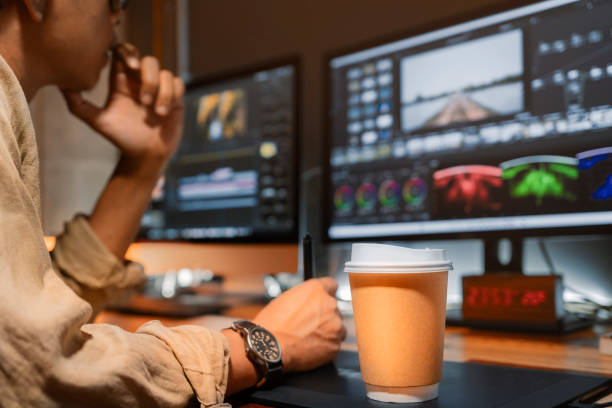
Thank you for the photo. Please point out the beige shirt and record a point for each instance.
(49, 355)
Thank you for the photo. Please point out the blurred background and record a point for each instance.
(202, 37)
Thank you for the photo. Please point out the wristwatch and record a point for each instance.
(263, 350)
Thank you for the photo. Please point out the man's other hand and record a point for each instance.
(307, 323)
(143, 114)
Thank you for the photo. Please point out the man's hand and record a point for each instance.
(143, 114)
(143, 117)
(307, 323)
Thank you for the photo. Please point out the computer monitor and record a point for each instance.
(234, 176)
(499, 125)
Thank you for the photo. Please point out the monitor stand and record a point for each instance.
(504, 256)
(496, 263)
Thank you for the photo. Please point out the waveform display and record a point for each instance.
(366, 196)
(344, 197)
(596, 173)
(389, 193)
(415, 192)
(541, 177)
(468, 189)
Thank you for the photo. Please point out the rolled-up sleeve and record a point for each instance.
(90, 269)
(208, 376)
(154, 367)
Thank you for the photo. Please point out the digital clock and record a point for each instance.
(513, 298)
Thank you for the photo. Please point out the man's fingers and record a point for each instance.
(179, 92)
(118, 77)
(81, 108)
(149, 77)
(129, 55)
(165, 94)
(329, 284)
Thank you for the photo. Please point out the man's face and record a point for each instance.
(76, 37)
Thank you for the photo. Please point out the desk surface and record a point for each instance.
(571, 352)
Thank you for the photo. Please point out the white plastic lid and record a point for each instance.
(382, 258)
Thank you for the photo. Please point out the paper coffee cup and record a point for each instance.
(399, 303)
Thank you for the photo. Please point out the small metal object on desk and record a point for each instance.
(186, 292)
(279, 283)
(173, 283)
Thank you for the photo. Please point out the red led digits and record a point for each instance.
(508, 294)
(503, 297)
(472, 297)
(533, 298)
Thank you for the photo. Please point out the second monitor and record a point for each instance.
(234, 174)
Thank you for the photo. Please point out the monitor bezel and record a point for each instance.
(437, 24)
(294, 61)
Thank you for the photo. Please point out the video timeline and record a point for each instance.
(225, 188)
(528, 185)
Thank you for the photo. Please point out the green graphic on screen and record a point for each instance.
(541, 177)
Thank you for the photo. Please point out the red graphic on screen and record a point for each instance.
(469, 188)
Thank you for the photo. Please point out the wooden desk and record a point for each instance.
(572, 352)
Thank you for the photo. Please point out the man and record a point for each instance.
(49, 355)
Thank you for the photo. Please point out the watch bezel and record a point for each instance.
(254, 349)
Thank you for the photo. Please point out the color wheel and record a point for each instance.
(389, 193)
(366, 196)
(343, 198)
(415, 191)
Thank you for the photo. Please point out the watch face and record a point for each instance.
(265, 345)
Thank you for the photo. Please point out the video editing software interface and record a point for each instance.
(500, 123)
(234, 173)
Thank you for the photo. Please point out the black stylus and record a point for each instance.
(307, 256)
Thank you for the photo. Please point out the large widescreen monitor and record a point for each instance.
(497, 124)
(234, 175)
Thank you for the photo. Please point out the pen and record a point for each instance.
(307, 256)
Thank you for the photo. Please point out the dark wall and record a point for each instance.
(230, 34)
(139, 25)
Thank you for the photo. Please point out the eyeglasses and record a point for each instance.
(117, 5)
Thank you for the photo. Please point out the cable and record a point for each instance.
(546, 256)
